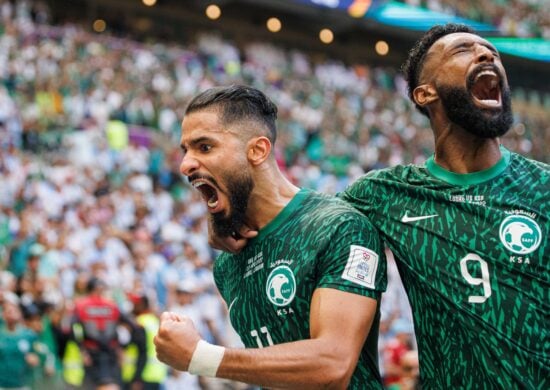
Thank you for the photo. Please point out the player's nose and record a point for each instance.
(484, 54)
(188, 165)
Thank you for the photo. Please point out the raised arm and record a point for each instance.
(339, 323)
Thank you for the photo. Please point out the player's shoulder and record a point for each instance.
(325, 204)
(332, 210)
(529, 173)
(399, 174)
(526, 162)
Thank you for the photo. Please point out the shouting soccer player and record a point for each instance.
(469, 229)
(304, 293)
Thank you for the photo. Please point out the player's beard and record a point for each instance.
(482, 122)
(239, 187)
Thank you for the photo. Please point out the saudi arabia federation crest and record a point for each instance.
(281, 286)
(520, 234)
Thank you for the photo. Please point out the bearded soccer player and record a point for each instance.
(304, 294)
(469, 228)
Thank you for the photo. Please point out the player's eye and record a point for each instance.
(205, 147)
(460, 51)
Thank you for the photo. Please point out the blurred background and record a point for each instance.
(92, 94)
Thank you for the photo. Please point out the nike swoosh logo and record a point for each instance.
(231, 305)
(406, 217)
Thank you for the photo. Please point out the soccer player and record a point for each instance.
(469, 228)
(304, 293)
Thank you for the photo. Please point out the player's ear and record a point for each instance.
(425, 94)
(259, 149)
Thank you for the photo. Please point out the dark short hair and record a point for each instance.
(237, 103)
(94, 283)
(415, 61)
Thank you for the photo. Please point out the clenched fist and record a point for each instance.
(176, 340)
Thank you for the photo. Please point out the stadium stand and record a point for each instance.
(89, 128)
(523, 18)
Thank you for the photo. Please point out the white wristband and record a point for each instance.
(206, 359)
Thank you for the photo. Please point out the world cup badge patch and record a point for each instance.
(361, 266)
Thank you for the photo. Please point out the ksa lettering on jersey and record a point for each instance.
(472, 252)
(316, 241)
(519, 232)
(521, 235)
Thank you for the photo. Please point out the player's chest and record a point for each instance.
(477, 221)
(272, 289)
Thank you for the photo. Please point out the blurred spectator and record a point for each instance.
(47, 373)
(523, 18)
(20, 250)
(409, 372)
(18, 347)
(152, 374)
(396, 348)
(98, 318)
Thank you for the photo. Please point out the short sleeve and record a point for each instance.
(354, 259)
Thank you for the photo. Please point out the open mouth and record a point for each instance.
(486, 89)
(208, 192)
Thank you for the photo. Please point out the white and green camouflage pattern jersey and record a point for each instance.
(316, 241)
(474, 256)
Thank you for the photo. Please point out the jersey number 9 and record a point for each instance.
(476, 281)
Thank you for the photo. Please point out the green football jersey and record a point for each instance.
(316, 241)
(14, 345)
(474, 256)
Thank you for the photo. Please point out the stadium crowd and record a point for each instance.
(91, 190)
(521, 18)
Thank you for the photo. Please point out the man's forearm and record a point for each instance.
(305, 364)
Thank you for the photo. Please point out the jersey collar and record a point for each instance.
(469, 178)
(285, 213)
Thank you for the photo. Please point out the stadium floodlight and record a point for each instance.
(274, 24)
(99, 25)
(326, 36)
(382, 48)
(213, 12)
(149, 3)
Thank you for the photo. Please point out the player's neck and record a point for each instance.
(270, 195)
(461, 152)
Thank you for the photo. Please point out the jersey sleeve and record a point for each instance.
(217, 273)
(361, 194)
(354, 260)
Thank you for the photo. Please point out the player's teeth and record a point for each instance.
(486, 72)
(212, 203)
(490, 102)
